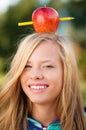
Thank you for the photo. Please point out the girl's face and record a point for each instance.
(41, 79)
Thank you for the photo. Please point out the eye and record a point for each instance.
(48, 66)
(28, 66)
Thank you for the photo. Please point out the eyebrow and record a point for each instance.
(42, 61)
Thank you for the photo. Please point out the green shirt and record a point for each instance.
(35, 125)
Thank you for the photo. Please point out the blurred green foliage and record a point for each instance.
(9, 30)
(10, 33)
(83, 90)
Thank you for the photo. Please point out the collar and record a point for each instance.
(35, 125)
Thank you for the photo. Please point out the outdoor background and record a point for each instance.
(14, 11)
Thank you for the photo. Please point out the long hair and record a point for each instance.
(15, 106)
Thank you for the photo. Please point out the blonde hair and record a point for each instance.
(15, 106)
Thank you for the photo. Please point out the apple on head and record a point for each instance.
(45, 19)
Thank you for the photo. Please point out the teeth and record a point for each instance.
(37, 87)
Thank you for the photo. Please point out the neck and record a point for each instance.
(44, 114)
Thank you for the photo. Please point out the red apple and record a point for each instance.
(45, 19)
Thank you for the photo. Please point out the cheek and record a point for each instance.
(57, 78)
(57, 85)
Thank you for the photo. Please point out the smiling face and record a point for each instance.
(41, 79)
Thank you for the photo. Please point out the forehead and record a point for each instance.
(46, 50)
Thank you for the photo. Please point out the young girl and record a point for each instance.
(42, 91)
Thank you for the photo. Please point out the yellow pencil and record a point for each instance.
(30, 22)
(25, 23)
(66, 18)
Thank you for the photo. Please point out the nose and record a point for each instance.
(36, 74)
